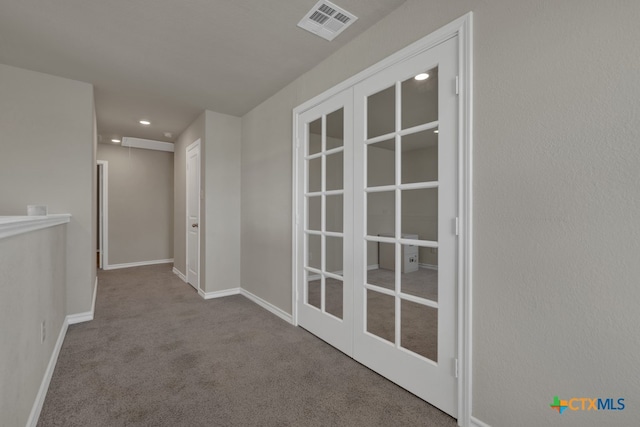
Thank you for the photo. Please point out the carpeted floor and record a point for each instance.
(159, 355)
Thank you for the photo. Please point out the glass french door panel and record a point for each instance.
(335, 129)
(335, 213)
(419, 157)
(314, 251)
(315, 137)
(334, 296)
(335, 171)
(314, 213)
(381, 213)
(314, 289)
(420, 99)
(381, 112)
(334, 255)
(381, 314)
(420, 213)
(419, 329)
(381, 163)
(381, 264)
(314, 174)
(419, 272)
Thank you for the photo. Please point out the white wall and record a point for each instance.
(32, 290)
(222, 200)
(47, 156)
(140, 203)
(220, 136)
(555, 197)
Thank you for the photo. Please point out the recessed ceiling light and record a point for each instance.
(422, 76)
(145, 122)
(436, 131)
(115, 140)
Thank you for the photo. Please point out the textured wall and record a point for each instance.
(555, 196)
(140, 203)
(47, 156)
(222, 199)
(32, 290)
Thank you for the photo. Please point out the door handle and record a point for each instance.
(194, 225)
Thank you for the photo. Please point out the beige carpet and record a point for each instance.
(159, 355)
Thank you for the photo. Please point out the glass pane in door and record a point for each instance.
(314, 252)
(419, 272)
(419, 329)
(420, 99)
(420, 213)
(335, 129)
(381, 315)
(333, 255)
(334, 213)
(315, 137)
(314, 211)
(381, 163)
(381, 213)
(381, 113)
(314, 175)
(420, 157)
(335, 172)
(334, 296)
(314, 289)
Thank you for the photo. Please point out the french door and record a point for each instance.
(377, 238)
(325, 231)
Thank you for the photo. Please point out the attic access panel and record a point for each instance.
(326, 20)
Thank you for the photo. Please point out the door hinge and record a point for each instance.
(457, 85)
(457, 226)
(455, 367)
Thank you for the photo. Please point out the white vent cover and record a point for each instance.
(326, 20)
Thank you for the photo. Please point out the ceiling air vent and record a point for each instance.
(326, 20)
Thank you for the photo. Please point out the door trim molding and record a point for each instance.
(465, 207)
(194, 144)
(463, 28)
(104, 221)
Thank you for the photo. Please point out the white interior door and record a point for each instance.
(405, 246)
(193, 214)
(324, 230)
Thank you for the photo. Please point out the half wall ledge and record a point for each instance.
(13, 225)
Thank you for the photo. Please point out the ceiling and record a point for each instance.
(166, 60)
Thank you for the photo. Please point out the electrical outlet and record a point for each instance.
(43, 331)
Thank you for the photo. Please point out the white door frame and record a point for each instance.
(191, 146)
(461, 27)
(103, 213)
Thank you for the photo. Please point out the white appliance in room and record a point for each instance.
(409, 256)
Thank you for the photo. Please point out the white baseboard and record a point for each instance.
(218, 294)
(373, 267)
(477, 423)
(267, 306)
(46, 380)
(87, 316)
(180, 275)
(137, 264)
(429, 266)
